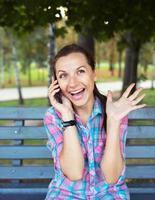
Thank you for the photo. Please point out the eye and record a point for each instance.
(81, 71)
(63, 75)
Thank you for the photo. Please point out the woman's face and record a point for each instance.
(76, 79)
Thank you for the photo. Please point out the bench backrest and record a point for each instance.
(20, 150)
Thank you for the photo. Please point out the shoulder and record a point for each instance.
(52, 116)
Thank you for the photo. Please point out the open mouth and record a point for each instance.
(78, 94)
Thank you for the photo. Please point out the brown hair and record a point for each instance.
(74, 48)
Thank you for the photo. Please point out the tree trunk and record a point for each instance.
(17, 76)
(145, 69)
(2, 66)
(29, 74)
(120, 64)
(111, 65)
(131, 62)
(111, 56)
(51, 53)
(88, 43)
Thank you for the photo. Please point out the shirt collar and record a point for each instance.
(97, 109)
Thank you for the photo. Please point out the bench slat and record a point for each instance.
(141, 132)
(22, 190)
(44, 190)
(33, 172)
(22, 133)
(38, 113)
(39, 132)
(13, 113)
(26, 172)
(24, 152)
(30, 152)
(140, 172)
(147, 113)
(147, 151)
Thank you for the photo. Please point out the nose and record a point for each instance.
(73, 82)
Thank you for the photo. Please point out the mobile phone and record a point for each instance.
(58, 95)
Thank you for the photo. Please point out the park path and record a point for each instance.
(7, 94)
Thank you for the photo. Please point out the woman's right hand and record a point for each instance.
(65, 106)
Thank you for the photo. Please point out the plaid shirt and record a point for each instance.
(93, 185)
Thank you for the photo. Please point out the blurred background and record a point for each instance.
(120, 35)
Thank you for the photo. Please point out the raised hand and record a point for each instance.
(125, 104)
(66, 105)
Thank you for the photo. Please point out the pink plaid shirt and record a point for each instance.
(93, 185)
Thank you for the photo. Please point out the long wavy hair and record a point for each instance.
(74, 48)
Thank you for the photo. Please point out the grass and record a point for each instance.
(27, 103)
(40, 76)
(149, 100)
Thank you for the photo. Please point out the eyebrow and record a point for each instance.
(65, 71)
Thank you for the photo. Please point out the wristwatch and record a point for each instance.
(68, 123)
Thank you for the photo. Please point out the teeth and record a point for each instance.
(75, 92)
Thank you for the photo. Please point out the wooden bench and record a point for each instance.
(26, 167)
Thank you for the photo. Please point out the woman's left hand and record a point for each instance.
(119, 109)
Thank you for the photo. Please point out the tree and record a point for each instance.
(24, 16)
(105, 18)
(101, 19)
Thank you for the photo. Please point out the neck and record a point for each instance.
(84, 112)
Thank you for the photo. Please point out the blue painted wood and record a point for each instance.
(24, 152)
(140, 151)
(23, 190)
(147, 113)
(38, 152)
(38, 113)
(19, 196)
(22, 132)
(17, 151)
(34, 132)
(142, 196)
(20, 113)
(140, 172)
(26, 172)
(47, 172)
(141, 132)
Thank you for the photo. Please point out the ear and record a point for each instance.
(95, 77)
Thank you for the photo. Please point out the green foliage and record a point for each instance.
(24, 15)
(104, 18)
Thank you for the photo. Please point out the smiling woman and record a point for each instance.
(76, 80)
(89, 150)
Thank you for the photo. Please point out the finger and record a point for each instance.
(52, 96)
(53, 83)
(135, 94)
(109, 96)
(52, 79)
(128, 90)
(138, 99)
(51, 89)
(138, 107)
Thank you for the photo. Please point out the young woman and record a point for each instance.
(86, 131)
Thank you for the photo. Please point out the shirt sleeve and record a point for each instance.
(54, 132)
(123, 134)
